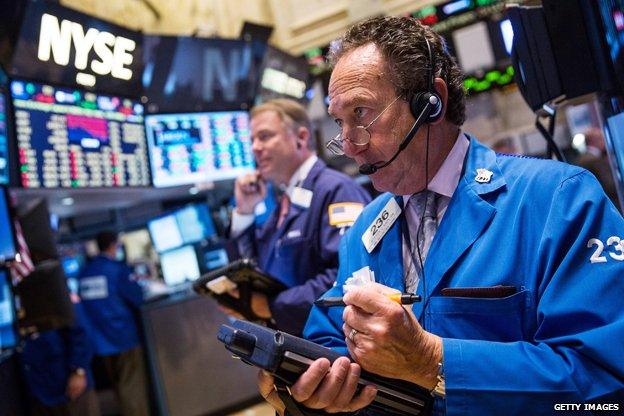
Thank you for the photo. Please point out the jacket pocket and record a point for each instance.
(491, 319)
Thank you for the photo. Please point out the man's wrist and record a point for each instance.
(436, 357)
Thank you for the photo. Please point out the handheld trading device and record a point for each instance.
(243, 275)
(286, 357)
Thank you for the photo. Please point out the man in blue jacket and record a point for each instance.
(298, 244)
(111, 301)
(521, 284)
(56, 365)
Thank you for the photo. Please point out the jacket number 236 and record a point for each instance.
(618, 246)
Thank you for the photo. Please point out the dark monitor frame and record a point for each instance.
(4, 191)
(14, 174)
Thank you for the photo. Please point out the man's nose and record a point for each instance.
(351, 150)
(256, 146)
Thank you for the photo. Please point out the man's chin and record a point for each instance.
(266, 173)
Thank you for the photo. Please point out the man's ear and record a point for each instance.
(303, 135)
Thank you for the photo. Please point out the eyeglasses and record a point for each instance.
(358, 135)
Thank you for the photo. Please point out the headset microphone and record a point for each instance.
(432, 105)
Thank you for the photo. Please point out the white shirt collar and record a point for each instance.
(300, 174)
(446, 179)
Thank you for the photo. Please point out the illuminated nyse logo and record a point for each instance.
(112, 51)
(282, 83)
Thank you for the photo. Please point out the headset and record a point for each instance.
(428, 101)
(425, 106)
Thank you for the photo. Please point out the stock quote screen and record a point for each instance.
(198, 147)
(68, 138)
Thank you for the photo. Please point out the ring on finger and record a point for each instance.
(352, 334)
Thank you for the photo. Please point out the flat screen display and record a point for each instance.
(198, 74)
(195, 223)
(198, 147)
(8, 336)
(215, 258)
(165, 233)
(179, 266)
(7, 238)
(283, 76)
(68, 138)
(4, 144)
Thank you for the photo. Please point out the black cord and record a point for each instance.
(422, 220)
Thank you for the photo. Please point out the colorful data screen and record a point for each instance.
(4, 144)
(198, 147)
(68, 138)
(8, 336)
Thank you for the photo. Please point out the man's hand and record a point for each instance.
(321, 386)
(76, 385)
(249, 190)
(389, 340)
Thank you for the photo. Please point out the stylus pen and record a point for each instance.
(400, 298)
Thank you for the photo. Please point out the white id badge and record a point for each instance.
(381, 224)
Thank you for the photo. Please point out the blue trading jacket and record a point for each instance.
(111, 301)
(303, 252)
(48, 359)
(549, 230)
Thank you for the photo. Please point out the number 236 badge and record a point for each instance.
(381, 224)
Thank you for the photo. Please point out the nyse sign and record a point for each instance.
(112, 54)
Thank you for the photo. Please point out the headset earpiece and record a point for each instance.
(419, 100)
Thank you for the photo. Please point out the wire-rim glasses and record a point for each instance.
(358, 135)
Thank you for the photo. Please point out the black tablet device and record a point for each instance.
(286, 357)
(246, 277)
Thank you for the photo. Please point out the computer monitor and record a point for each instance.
(184, 73)
(137, 245)
(179, 266)
(4, 143)
(72, 265)
(195, 223)
(8, 334)
(69, 138)
(8, 248)
(165, 233)
(198, 147)
(213, 257)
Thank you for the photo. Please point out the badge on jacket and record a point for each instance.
(344, 214)
(381, 224)
(301, 196)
